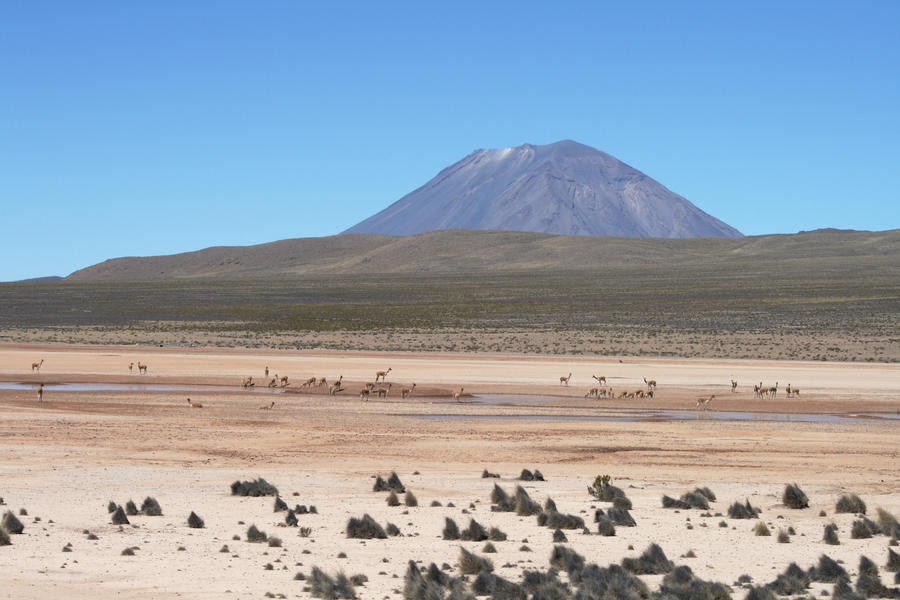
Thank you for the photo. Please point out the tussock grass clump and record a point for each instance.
(793, 581)
(487, 474)
(611, 582)
(621, 517)
(743, 511)
(783, 537)
(150, 507)
(489, 548)
(557, 520)
(605, 527)
(495, 535)
(861, 529)
(365, 528)
(893, 561)
(395, 484)
(304, 532)
(843, 591)
(524, 505)
(549, 505)
(498, 588)
(500, 498)
(681, 583)
(559, 537)
(475, 532)
(870, 586)
(290, 519)
(131, 508)
(119, 518)
(695, 500)
(828, 571)
(428, 587)
(255, 535)
(380, 485)
(280, 505)
(866, 565)
(669, 502)
(472, 564)
(538, 476)
(11, 523)
(566, 559)
(793, 497)
(621, 502)
(603, 490)
(274, 542)
(111, 507)
(195, 522)
(330, 588)
(254, 487)
(526, 475)
(831, 537)
(128, 552)
(761, 529)
(850, 503)
(4, 538)
(392, 530)
(887, 522)
(652, 562)
(760, 593)
(435, 503)
(706, 492)
(451, 530)
(392, 499)
(410, 499)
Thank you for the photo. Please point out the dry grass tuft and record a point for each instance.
(472, 564)
(195, 522)
(365, 528)
(793, 497)
(255, 487)
(850, 503)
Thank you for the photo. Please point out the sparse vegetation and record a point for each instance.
(195, 522)
(255, 535)
(743, 511)
(151, 508)
(472, 564)
(828, 571)
(850, 503)
(410, 499)
(11, 523)
(793, 497)
(451, 530)
(365, 528)
(486, 474)
(330, 588)
(255, 487)
(831, 537)
(652, 562)
(119, 518)
(474, 532)
(761, 529)
(392, 499)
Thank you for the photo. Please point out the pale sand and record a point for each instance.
(66, 458)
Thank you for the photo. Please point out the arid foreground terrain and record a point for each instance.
(105, 434)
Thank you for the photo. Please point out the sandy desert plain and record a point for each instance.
(114, 435)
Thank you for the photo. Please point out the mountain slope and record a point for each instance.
(470, 251)
(563, 188)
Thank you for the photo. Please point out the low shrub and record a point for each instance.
(131, 508)
(475, 532)
(652, 562)
(11, 523)
(487, 474)
(150, 507)
(255, 487)
(761, 529)
(451, 530)
(119, 518)
(194, 521)
(793, 497)
(280, 505)
(365, 528)
(495, 535)
(828, 571)
(559, 537)
(410, 499)
(255, 535)
(850, 503)
(743, 511)
(831, 537)
(526, 475)
(392, 499)
(472, 564)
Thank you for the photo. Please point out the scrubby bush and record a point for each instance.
(682, 584)
(11, 523)
(131, 508)
(474, 532)
(280, 504)
(559, 537)
(695, 500)
(4, 538)
(274, 542)
(526, 475)
(828, 571)
(410, 499)
(893, 561)
(472, 564)
(669, 502)
(495, 535)
(395, 484)
(621, 502)
(743, 511)
(793, 497)
(861, 529)
(603, 490)
(194, 521)
(850, 503)
(324, 586)
(111, 507)
(290, 519)
(831, 537)
(365, 528)
(538, 476)
(451, 530)
(150, 507)
(392, 530)
(489, 548)
(524, 505)
(887, 522)
(652, 562)
(557, 520)
(793, 581)
(761, 529)
(605, 527)
(783, 537)
(613, 582)
(119, 518)
(255, 535)
(392, 499)
(487, 474)
(255, 487)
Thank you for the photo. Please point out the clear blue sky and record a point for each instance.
(141, 128)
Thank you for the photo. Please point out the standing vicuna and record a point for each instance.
(565, 380)
(36, 367)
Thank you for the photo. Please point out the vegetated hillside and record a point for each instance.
(471, 251)
(563, 188)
